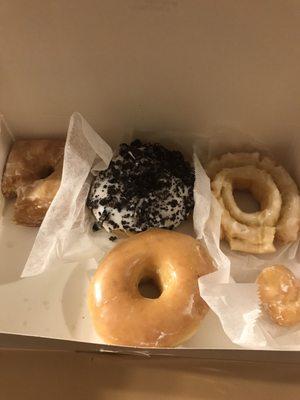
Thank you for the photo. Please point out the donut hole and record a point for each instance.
(247, 194)
(246, 201)
(149, 287)
(45, 172)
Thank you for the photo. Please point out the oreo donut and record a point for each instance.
(145, 186)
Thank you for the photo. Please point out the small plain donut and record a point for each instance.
(272, 186)
(279, 294)
(33, 175)
(122, 316)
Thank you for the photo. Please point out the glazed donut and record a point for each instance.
(271, 185)
(122, 316)
(145, 186)
(279, 294)
(33, 174)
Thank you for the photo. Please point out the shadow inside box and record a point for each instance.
(74, 305)
(15, 245)
(186, 227)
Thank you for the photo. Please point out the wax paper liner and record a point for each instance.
(66, 230)
(66, 233)
(6, 140)
(231, 291)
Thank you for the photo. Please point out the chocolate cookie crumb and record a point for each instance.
(145, 185)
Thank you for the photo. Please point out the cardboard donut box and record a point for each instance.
(183, 67)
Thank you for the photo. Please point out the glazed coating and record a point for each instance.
(122, 316)
(271, 185)
(252, 232)
(279, 294)
(33, 174)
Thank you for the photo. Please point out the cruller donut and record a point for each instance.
(122, 316)
(33, 175)
(271, 185)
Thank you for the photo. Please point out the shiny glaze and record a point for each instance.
(279, 294)
(122, 316)
(33, 175)
(280, 215)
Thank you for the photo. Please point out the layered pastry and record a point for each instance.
(274, 189)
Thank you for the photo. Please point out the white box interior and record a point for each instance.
(183, 66)
(53, 304)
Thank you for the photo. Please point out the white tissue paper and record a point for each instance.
(66, 233)
(67, 222)
(6, 140)
(231, 292)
